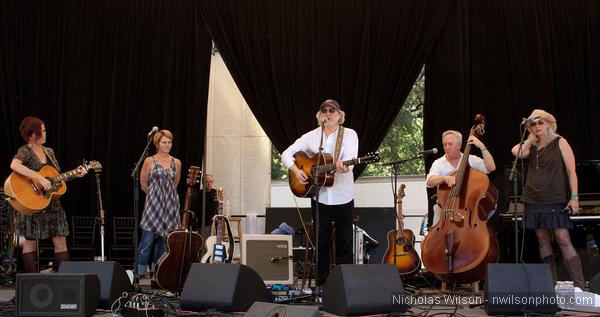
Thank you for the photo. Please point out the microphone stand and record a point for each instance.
(512, 178)
(101, 213)
(317, 190)
(398, 162)
(395, 167)
(135, 174)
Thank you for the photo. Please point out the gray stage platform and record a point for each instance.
(444, 304)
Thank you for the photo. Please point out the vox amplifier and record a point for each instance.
(270, 255)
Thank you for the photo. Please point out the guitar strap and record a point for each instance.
(51, 158)
(338, 144)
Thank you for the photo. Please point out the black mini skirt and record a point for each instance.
(546, 216)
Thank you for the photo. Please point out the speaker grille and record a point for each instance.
(57, 294)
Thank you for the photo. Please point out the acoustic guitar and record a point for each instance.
(401, 251)
(217, 250)
(183, 245)
(28, 196)
(325, 173)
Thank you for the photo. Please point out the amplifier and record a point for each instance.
(270, 255)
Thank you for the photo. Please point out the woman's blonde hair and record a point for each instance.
(158, 135)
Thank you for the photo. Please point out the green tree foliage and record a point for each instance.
(278, 170)
(404, 139)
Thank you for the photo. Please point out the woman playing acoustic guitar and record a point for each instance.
(52, 221)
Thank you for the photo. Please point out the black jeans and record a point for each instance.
(341, 215)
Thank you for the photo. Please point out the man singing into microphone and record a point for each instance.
(336, 202)
(444, 166)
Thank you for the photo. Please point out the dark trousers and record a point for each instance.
(342, 216)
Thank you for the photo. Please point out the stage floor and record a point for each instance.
(431, 302)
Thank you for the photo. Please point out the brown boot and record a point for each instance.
(59, 257)
(30, 260)
(552, 262)
(573, 265)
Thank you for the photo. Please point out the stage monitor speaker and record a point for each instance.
(225, 287)
(270, 255)
(112, 276)
(57, 294)
(352, 289)
(261, 309)
(516, 289)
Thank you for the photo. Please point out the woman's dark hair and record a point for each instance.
(30, 126)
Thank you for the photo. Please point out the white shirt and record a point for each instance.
(441, 166)
(342, 190)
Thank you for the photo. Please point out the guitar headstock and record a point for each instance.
(478, 129)
(220, 195)
(401, 193)
(92, 165)
(193, 175)
(371, 157)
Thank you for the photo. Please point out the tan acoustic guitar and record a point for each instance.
(325, 172)
(28, 196)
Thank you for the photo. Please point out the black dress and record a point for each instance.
(547, 190)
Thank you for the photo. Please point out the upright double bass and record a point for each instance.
(458, 247)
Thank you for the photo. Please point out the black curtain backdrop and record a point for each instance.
(506, 58)
(101, 74)
(288, 56)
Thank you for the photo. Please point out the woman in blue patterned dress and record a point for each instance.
(48, 223)
(158, 178)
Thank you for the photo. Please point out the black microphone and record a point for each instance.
(154, 130)
(432, 151)
(527, 121)
(323, 121)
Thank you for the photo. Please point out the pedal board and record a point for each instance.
(142, 312)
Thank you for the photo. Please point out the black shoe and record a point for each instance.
(154, 284)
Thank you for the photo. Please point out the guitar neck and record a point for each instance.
(219, 220)
(66, 176)
(185, 218)
(219, 233)
(399, 216)
(331, 166)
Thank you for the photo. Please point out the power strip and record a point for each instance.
(142, 312)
